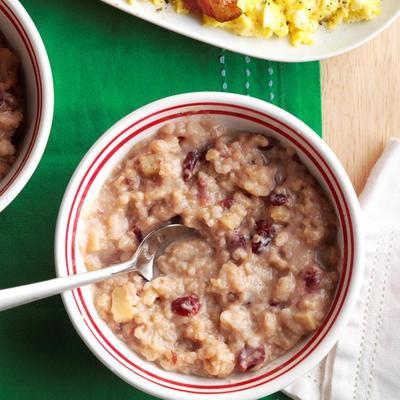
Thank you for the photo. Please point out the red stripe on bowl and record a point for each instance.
(347, 254)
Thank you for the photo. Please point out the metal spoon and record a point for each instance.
(142, 262)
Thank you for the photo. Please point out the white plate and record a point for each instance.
(328, 43)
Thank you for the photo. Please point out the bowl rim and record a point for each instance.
(344, 184)
(30, 37)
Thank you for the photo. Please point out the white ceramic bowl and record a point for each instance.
(24, 39)
(240, 112)
(328, 43)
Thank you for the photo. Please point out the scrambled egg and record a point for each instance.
(298, 18)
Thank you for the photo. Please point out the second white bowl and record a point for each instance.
(26, 42)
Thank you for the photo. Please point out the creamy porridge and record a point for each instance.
(260, 278)
(10, 105)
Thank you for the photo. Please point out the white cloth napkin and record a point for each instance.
(365, 363)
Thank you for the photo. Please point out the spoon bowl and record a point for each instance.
(152, 246)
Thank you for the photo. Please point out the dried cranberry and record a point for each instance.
(276, 304)
(186, 306)
(227, 202)
(191, 160)
(189, 164)
(263, 228)
(238, 241)
(264, 234)
(312, 277)
(138, 233)
(128, 181)
(250, 358)
(277, 199)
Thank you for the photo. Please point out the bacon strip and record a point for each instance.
(221, 10)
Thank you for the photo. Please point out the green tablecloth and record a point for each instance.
(105, 64)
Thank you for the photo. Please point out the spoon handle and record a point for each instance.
(19, 295)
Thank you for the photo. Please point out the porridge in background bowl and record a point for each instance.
(11, 105)
(261, 276)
